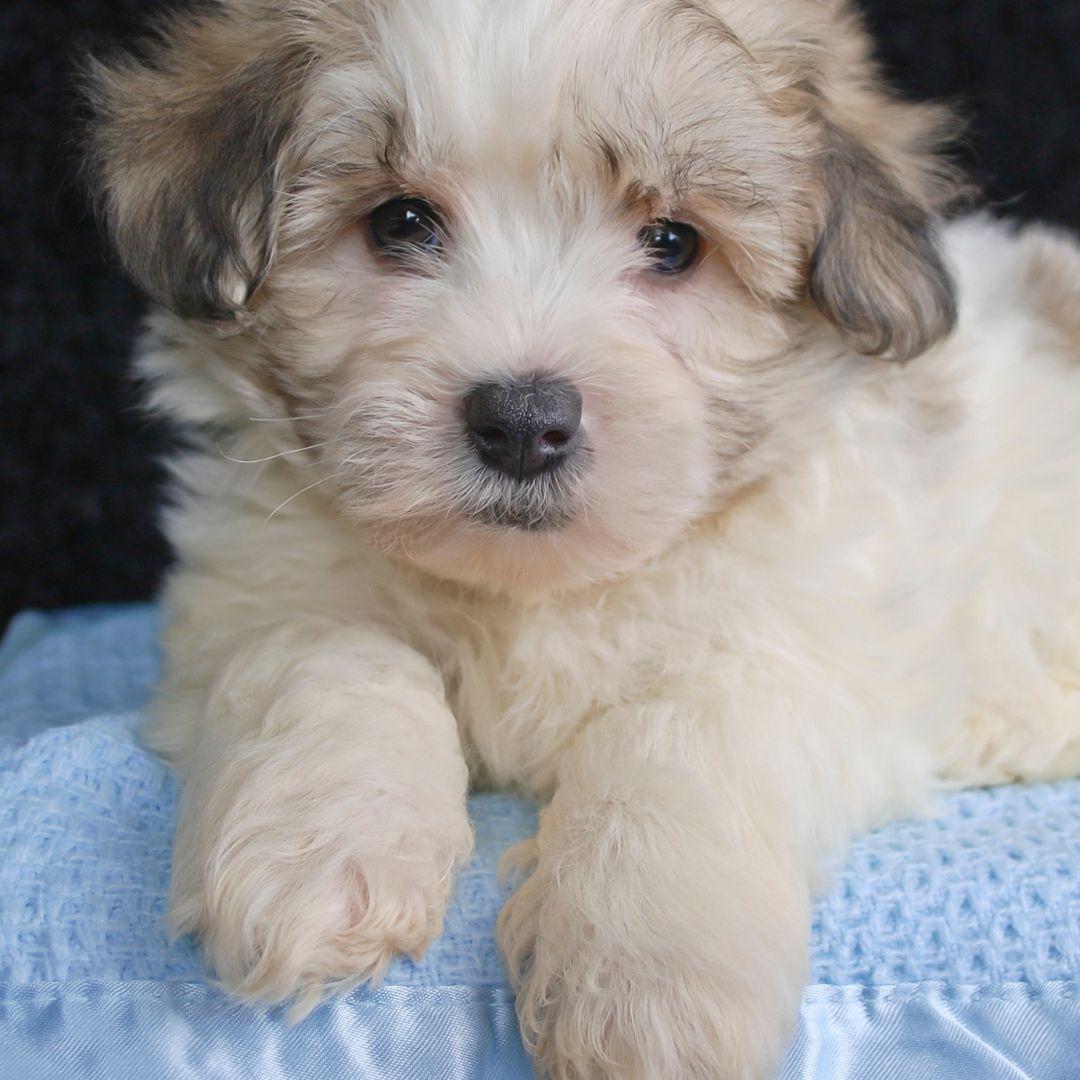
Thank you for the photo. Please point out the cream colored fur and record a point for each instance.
(801, 590)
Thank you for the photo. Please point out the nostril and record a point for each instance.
(555, 439)
(490, 434)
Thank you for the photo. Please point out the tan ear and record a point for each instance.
(877, 271)
(186, 149)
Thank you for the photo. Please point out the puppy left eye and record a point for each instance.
(671, 246)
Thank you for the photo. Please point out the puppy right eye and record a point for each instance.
(406, 227)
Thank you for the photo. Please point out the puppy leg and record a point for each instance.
(662, 932)
(1024, 718)
(323, 813)
(1030, 738)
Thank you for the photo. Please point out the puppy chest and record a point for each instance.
(520, 698)
(516, 716)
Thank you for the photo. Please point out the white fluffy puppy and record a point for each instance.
(542, 359)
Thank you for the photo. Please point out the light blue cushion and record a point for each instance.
(946, 949)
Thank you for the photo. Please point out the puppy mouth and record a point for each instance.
(508, 515)
(546, 502)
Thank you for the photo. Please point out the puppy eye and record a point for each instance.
(670, 245)
(405, 227)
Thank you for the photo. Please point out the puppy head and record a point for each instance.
(531, 278)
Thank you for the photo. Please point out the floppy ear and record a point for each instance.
(877, 271)
(186, 156)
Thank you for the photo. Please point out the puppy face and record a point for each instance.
(528, 277)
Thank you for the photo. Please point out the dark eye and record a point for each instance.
(670, 245)
(406, 227)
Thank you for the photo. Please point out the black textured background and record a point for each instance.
(79, 481)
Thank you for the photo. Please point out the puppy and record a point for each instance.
(546, 369)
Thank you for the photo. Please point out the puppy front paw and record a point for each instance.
(595, 1000)
(285, 911)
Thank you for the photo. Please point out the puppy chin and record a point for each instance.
(512, 554)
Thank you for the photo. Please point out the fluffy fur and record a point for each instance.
(792, 587)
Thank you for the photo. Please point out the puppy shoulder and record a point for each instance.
(1051, 280)
(1009, 270)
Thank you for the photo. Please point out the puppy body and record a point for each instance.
(790, 591)
(896, 608)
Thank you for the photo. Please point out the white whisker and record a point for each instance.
(296, 495)
(270, 457)
(288, 419)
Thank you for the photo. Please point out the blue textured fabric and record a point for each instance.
(946, 948)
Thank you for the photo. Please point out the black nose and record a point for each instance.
(522, 429)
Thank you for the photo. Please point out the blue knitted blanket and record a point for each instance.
(946, 948)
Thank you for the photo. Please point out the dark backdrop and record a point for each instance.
(79, 479)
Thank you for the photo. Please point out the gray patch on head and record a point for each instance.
(877, 271)
(189, 191)
(242, 133)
